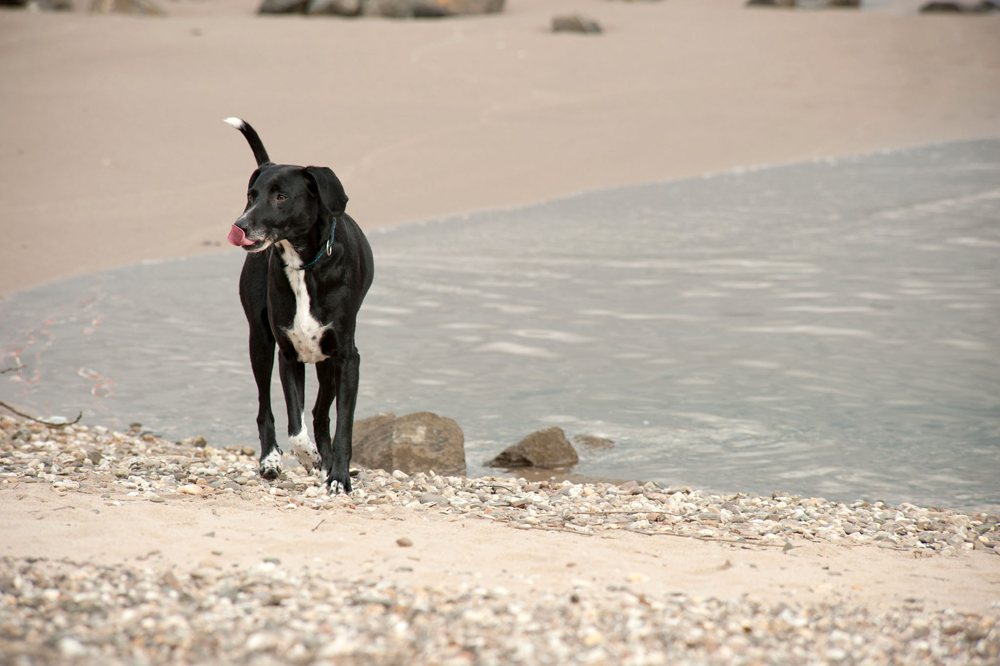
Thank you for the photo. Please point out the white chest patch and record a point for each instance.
(305, 333)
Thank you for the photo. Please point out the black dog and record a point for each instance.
(307, 271)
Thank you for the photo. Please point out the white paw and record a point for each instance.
(335, 488)
(304, 450)
(270, 466)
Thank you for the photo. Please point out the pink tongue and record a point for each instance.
(237, 237)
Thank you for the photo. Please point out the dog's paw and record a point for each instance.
(304, 451)
(335, 486)
(270, 465)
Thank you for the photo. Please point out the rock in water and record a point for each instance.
(413, 443)
(591, 442)
(545, 448)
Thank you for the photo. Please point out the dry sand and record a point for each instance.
(112, 151)
(190, 532)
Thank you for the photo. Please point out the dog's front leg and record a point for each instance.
(293, 379)
(327, 373)
(293, 383)
(349, 362)
(262, 362)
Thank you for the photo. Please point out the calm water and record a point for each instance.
(828, 329)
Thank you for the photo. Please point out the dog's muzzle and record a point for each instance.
(238, 237)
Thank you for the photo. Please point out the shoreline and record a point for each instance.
(479, 570)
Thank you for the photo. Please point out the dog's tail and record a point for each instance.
(259, 152)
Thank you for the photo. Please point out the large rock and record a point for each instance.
(419, 442)
(545, 448)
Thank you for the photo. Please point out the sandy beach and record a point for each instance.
(113, 151)
(186, 557)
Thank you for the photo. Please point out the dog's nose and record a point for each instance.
(238, 237)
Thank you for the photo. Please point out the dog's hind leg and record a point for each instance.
(339, 478)
(293, 380)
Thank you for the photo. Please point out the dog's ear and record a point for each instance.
(325, 185)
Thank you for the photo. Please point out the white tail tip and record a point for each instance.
(235, 122)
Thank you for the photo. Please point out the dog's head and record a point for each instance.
(284, 202)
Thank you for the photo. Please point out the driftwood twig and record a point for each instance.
(46, 423)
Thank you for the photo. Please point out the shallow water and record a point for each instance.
(827, 329)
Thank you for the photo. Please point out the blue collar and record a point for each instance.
(327, 250)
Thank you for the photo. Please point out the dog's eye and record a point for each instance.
(280, 197)
(250, 198)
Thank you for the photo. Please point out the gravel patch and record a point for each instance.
(142, 466)
(66, 612)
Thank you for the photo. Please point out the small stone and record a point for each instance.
(404, 542)
(190, 489)
(71, 648)
(431, 498)
(335, 7)
(141, 7)
(282, 7)
(575, 23)
(595, 443)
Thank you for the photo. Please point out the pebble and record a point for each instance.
(84, 613)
